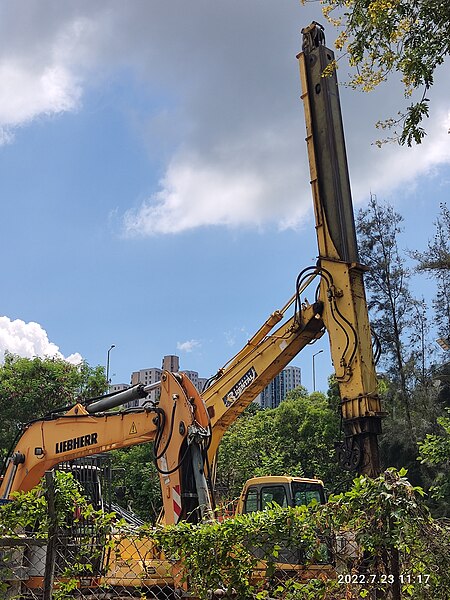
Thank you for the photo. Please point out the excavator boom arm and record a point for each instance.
(253, 369)
(178, 427)
(47, 443)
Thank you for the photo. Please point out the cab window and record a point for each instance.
(304, 493)
(276, 494)
(251, 501)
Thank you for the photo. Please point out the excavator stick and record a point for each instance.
(345, 312)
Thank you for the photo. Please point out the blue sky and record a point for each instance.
(154, 179)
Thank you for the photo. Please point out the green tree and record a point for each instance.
(385, 37)
(435, 453)
(306, 432)
(30, 388)
(390, 302)
(400, 322)
(246, 450)
(137, 486)
(296, 438)
(435, 262)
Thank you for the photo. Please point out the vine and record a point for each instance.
(377, 536)
(393, 545)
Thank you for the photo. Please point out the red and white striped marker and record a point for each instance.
(176, 497)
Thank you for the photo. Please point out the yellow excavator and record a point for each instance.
(186, 427)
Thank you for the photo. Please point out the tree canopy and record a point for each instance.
(435, 262)
(136, 482)
(435, 452)
(296, 438)
(415, 390)
(30, 388)
(383, 37)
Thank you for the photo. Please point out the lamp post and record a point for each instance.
(314, 369)
(107, 365)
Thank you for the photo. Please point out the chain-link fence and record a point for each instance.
(332, 552)
(128, 565)
(76, 565)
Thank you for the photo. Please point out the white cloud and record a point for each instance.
(389, 169)
(231, 141)
(248, 185)
(29, 340)
(188, 346)
(244, 185)
(26, 93)
(39, 69)
(195, 195)
(242, 161)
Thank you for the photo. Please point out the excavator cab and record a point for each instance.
(260, 492)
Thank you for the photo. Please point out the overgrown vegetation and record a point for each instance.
(28, 514)
(378, 535)
(396, 547)
(414, 374)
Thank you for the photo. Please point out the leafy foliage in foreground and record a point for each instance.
(398, 547)
(435, 450)
(27, 514)
(395, 545)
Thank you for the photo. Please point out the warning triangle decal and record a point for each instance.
(133, 429)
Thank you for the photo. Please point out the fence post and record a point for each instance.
(395, 570)
(52, 536)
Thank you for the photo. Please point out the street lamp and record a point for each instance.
(314, 369)
(107, 365)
